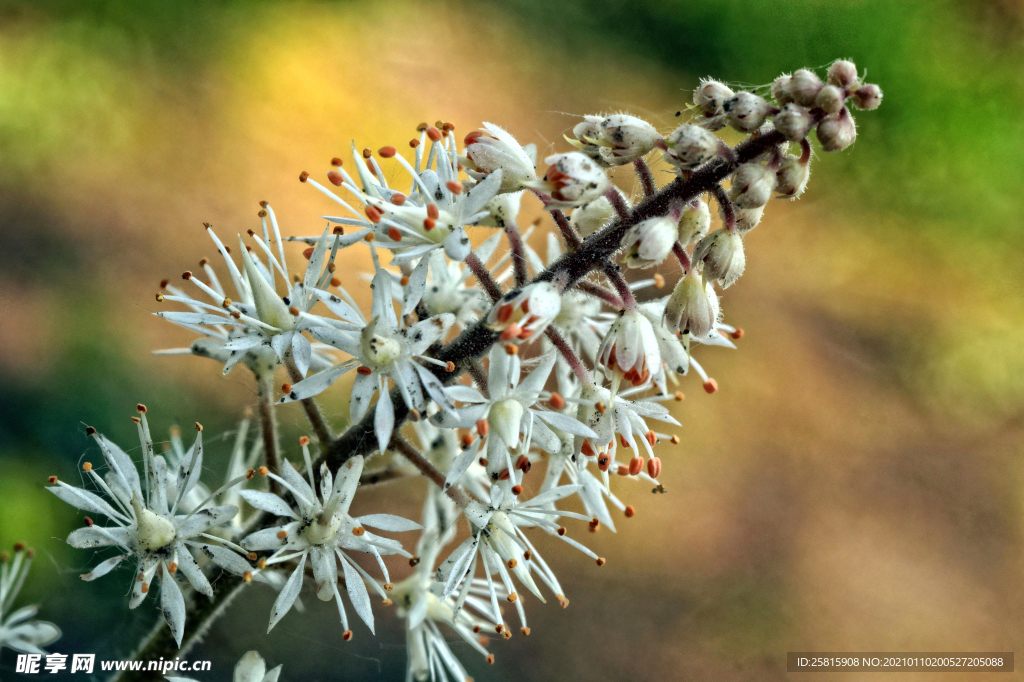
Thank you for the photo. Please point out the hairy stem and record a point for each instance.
(682, 257)
(476, 371)
(598, 291)
(268, 425)
(515, 243)
(569, 234)
(728, 210)
(403, 447)
(483, 276)
(313, 414)
(643, 172)
(611, 271)
(573, 360)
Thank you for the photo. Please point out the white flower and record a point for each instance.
(320, 529)
(508, 419)
(250, 668)
(803, 87)
(723, 257)
(630, 350)
(498, 544)
(711, 96)
(693, 305)
(794, 122)
(570, 181)
(258, 326)
(690, 146)
(523, 314)
(648, 242)
(381, 349)
(17, 630)
(838, 131)
(148, 525)
(493, 149)
(446, 291)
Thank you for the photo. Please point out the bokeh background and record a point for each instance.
(854, 485)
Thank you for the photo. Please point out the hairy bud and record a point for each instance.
(648, 242)
(494, 149)
(722, 254)
(748, 218)
(794, 122)
(627, 138)
(690, 146)
(804, 86)
(571, 180)
(746, 111)
(592, 216)
(792, 176)
(780, 89)
(830, 99)
(867, 97)
(588, 137)
(710, 96)
(842, 74)
(695, 221)
(837, 132)
(752, 186)
(693, 305)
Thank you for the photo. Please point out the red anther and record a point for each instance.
(373, 214)
(636, 465)
(454, 187)
(525, 631)
(414, 143)
(517, 490)
(512, 349)
(654, 467)
(294, 311)
(286, 387)
(600, 407)
(335, 178)
(172, 567)
(630, 512)
(387, 152)
(738, 334)
(303, 440)
(164, 283)
(524, 464)
(562, 601)
(251, 233)
(467, 440)
(679, 396)
(88, 522)
(561, 530)
(472, 137)
(308, 253)
(249, 474)
(483, 461)
(587, 448)
(527, 555)
(710, 385)
(337, 162)
(651, 438)
(434, 134)
(490, 659)
(504, 475)
(623, 442)
(51, 480)
(556, 401)
(303, 176)
(367, 153)
(600, 561)
(604, 460)
(525, 334)
(482, 427)
(144, 589)
(504, 313)
(428, 224)
(594, 525)
(347, 635)
(674, 440)
(414, 561)
(433, 211)
(511, 332)
(186, 275)
(450, 366)
(422, 126)
(335, 282)
(364, 370)
(338, 229)
(394, 234)
(398, 198)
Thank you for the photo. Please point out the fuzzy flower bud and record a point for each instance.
(722, 254)
(571, 180)
(626, 138)
(780, 89)
(792, 176)
(649, 241)
(867, 97)
(693, 306)
(842, 74)
(804, 86)
(830, 99)
(794, 122)
(837, 132)
(748, 218)
(494, 149)
(752, 186)
(690, 146)
(592, 216)
(746, 111)
(587, 134)
(695, 221)
(711, 96)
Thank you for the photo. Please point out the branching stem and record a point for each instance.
(403, 447)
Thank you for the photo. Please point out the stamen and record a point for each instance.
(387, 152)
(303, 176)
(636, 465)
(711, 386)
(630, 511)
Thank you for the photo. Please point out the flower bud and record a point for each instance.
(804, 87)
(780, 89)
(526, 312)
(690, 146)
(722, 254)
(628, 138)
(648, 242)
(592, 216)
(710, 96)
(792, 176)
(752, 186)
(494, 149)
(571, 180)
(748, 218)
(794, 122)
(746, 111)
(830, 99)
(693, 305)
(867, 97)
(837, 132)
(694, 222)
(588, 137)
(842, 74)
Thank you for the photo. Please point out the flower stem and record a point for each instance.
(515, 243)
(573, 360)
(643, 172)
(569, 234)
(268, 425)
(402, 446)
(728, 210)
(313, 414)
(682, 257)
(611, 271)
(598, 291)
(484, 277)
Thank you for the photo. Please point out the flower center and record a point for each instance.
(505, 417)
(154, 531)
(322, 529)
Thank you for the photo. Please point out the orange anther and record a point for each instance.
(710, 385)
(398, 198)
(511, 332)
(387, 152)
(434, 134)
(482, 427)
(654, 467)
(636, 465)
(454, 187)
(373, 214)
(630, 512)
(364, 370)
(335, 178)
(556, 401)
(394, 234)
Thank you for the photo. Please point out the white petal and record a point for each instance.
(172, 603)
(250, 668)
(289, 593)
(388, 522)
(85, 500)
(302, 353)
(193, 574)
(384, 420)
(358, 595)
(362, 391)
(268, 502)
(316, 384)
(100, 570)
(204, 520)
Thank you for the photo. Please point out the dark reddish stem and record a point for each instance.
(484, 277)
(573, 360)
(515, 243)
(402, 446)
(728, 210)
(682, 256)
(611, 271)
(598, 291)
(569, 234)
(643, 172)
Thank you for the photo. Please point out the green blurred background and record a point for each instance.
(855, 485)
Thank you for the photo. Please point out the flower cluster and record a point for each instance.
(17, 629)
(495, 359)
